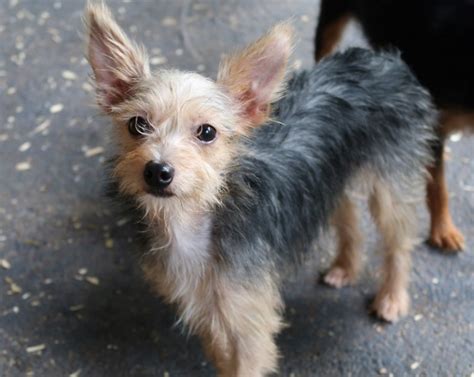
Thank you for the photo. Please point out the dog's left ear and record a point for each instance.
(255, 76)
(118, 63)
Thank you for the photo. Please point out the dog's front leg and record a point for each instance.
(238, 327)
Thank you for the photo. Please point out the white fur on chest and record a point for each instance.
(186, 256)
(190, 242)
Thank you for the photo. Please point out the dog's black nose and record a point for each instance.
(158, 175)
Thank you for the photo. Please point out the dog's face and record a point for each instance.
(177, 131)
(175, 136)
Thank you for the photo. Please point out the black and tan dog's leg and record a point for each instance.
(333, 19)
(396, 222)
(346, 266)
(239, 327)
(443, 232)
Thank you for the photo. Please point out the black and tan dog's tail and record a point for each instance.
(333, 18)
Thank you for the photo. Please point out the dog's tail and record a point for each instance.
(333, 18)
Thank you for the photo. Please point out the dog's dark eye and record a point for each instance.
(138, 126)
(206, 133)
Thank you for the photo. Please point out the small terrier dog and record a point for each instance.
(236, 178)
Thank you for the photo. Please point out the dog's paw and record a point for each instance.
(338, 277)
(390, 307)
(447, 237)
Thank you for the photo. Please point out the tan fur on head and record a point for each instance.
(175, 104)
(255, 75)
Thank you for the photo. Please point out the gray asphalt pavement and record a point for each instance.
(72, 300)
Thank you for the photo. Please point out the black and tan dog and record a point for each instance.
(233, 191)
(436, 40)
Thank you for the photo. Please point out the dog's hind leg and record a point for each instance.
(395, 219)
(346, 266)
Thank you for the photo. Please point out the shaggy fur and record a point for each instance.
(245, 205)
(353, 113)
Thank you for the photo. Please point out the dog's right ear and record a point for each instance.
(255, 75)
(118, 63)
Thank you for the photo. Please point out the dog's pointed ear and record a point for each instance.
(255, 76)
(118, 63)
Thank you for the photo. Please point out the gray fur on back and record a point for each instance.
(357, 110)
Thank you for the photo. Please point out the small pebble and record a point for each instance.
(122, 222)
(87, 87)
(24, 147)
(415, 365)
(36, 349)
(56, 108)
(91, 152)
(22, 166)
(297, 64)
(378, 328)
(5, 264)
(156, 60)
(467, 187)
(14, 288)
(76, 373)
(169, 21)
(41, 127)
(418, 317)
(76, 308)
(109, 243)
(92, 280)
(69, 75)
(456, 137)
